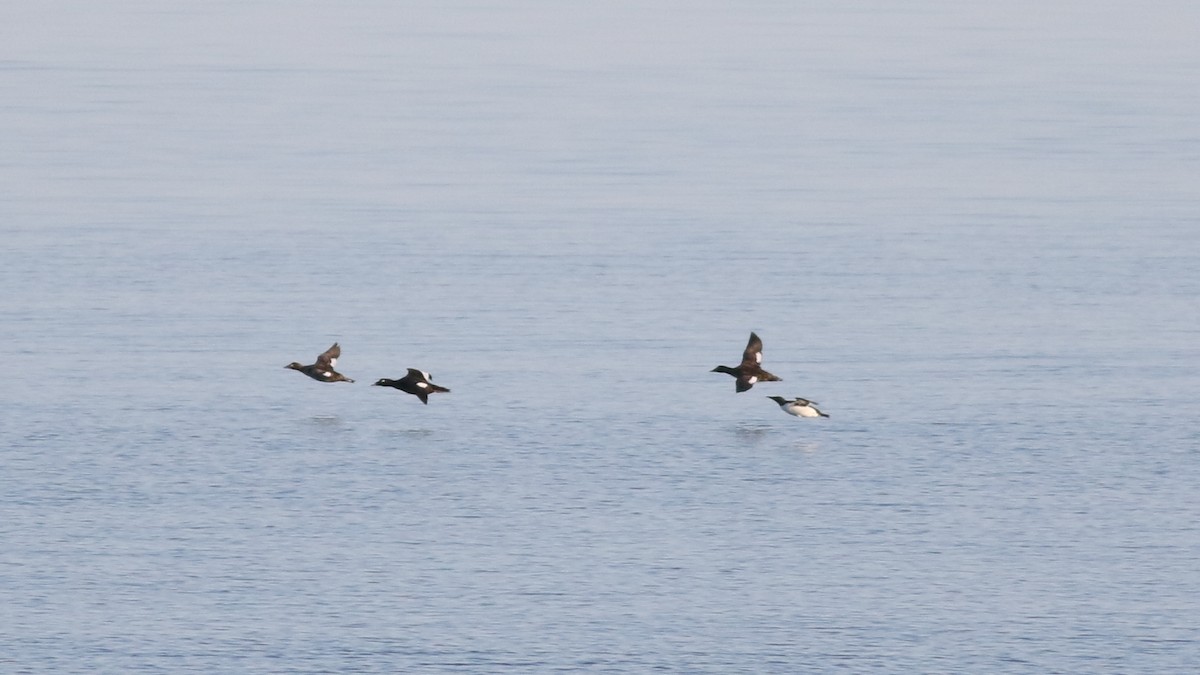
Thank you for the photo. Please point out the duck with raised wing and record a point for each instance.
(322, 370)
(749, 371)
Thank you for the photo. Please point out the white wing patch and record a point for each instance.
(333, 363)
(426, 375)
(752, 379)
(422, 385)
(758, 357)
(327, 374)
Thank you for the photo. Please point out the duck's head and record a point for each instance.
(724, 369)
(778, 399)
(383, 382)
(294, 366)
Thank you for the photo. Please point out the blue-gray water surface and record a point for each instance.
(969, 233)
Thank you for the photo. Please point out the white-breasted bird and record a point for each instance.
(800, 407)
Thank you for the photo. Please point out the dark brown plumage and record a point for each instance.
(322, 370)
(749, 371)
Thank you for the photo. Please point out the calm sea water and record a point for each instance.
(970, 234)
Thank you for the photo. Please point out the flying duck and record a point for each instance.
(416, 382)
(800, 407)
(750, 370)
(323, 370)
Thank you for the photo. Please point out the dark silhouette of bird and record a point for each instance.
(749, 371)
(323, 370)
(416, 382)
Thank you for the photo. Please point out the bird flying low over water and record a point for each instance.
(416, 382)
(323, 370)
(800, 407)
(749, 371)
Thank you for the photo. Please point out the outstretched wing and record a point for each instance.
(329, 358)
(753, 353)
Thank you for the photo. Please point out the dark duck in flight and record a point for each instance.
(322, 370)
(416, 382)
(749, 371)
